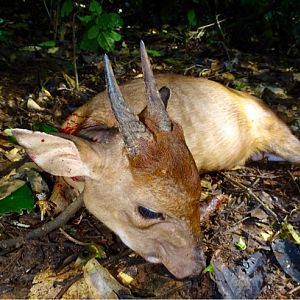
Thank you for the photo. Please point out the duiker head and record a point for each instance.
(143, 183)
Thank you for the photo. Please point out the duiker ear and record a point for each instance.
(165, 93)
(55, 155)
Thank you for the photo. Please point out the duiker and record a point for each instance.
(140, 163)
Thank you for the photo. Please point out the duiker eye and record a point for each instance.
(149, 214)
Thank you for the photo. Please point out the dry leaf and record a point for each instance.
(101, 283)
(32, 105)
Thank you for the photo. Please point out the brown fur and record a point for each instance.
(168, 158)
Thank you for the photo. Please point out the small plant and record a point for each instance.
(5, 34)
(192, 18)
(101, 28)
(241, 245)
(208, 269)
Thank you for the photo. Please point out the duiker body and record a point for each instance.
(140, 163)
(222, 127)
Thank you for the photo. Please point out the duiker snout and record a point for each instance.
(173, 245)
(183, 262)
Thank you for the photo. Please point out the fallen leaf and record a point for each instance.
(125, 278)
(288, 256)
(101, 284)
(242, 279)
(32, 105)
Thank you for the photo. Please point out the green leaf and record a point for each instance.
(101, 32)
(4, 35)
(7, 132)
(95, 7)
(47, 44)
(106, 40)
(85, 19)
(154, 53)
(208, 269)
(116, 20)
(109, 21)
(192, 18)
(240, 86)
(293, 233)
(93, 32)
(174, 61)
(87, 44)
(12, 139)
(37, 126)
(241, 245)
(289, 229)
(21, 199)
(97, 251)
(116, 36)
(66, 8)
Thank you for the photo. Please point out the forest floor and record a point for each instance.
(257, 225)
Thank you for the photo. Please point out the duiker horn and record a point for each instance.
(131, 128)
(155, 106)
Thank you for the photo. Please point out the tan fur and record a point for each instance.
(222, 127)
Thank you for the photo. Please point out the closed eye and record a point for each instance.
(149, 214)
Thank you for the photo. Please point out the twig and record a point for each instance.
(59, 221)
(217, 23)
(251, 194)
(116, 258)
(197, 33)
(294, 180)
(175, 289)
(263, 176)
(75, 241)
(223, 39)
(74, 51)
(67, 284)
(14, 165)
(47, 10)
(211, 25)
(297, 288)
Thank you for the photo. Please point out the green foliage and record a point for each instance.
(21, 199)
(96, 251)
(5, 34)
(66, 8)
(241, 245)
(192, 18)
(154, 53)
(101, 28)
(47, 44)
(241, 86)
(289, 233)
(37, 126)
(95, 7)
(208, 269)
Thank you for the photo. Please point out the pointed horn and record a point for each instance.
(130, 126)
(155, 106)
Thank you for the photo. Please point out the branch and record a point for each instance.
(59, 221)
(251, 194)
